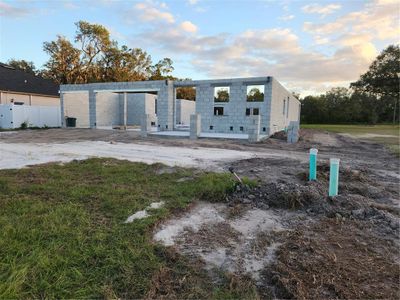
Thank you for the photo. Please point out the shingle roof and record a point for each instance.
(20, 81)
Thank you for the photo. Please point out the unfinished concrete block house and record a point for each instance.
(228, 107)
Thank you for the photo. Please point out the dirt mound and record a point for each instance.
(279, 195)
(332, 259)
(280, 135)
(358, 198)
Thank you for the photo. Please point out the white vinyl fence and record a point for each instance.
(12, 116)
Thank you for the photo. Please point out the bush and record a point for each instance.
(24, 125)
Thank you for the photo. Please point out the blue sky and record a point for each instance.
(309, 46)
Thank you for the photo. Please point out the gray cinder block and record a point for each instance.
(195, 126)
(254, 129)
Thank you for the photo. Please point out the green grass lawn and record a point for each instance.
(63, 233)
(388, 135)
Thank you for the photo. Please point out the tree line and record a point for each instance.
(374, 98)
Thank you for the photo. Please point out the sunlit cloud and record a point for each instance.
(188, 26)
(286, 18)
(150, 12)
(8, 9)
(322, 10)
(278, 51)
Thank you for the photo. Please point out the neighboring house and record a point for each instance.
(19, 87)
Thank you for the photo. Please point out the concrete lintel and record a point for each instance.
(74, 92)
(127, 90)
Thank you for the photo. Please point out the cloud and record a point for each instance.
(322, 10)
(377, 21)
(150, 12)
(279, 52)
(286, 17)
(327, 28)
(192, 2)
(8, 10)
(188, 26)
(200, 9)
(71, 5)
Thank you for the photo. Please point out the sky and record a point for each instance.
(310, 47)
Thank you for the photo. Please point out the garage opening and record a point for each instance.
(125, 110)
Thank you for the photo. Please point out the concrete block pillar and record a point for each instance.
(145, 125)
(254, 129)
(195, 126)
(92, 109)
(63, 125)
(293, 132)
(125, 109)
(165, 105)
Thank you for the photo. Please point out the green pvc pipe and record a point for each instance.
(334, 177)
(313, 164)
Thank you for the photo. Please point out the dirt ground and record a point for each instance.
(286, 233)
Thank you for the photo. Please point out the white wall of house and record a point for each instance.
(7, 97)
(183, 109)
(284, 107)
(12, 116)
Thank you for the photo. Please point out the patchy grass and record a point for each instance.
(63, 233)
(388, 135)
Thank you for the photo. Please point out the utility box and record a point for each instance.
(13, 116)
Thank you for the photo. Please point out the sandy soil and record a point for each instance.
(293, 240)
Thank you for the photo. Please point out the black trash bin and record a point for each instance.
(70, 122)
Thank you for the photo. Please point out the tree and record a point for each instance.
(162, 70)
(222, 96)
(188, 93)
(125, 64)
(64, 65)
(382, 79)
(255, 95)
(314, 110)
(23, 65)
(367, 107)
(337, 104)
(97, 58)
(94, 40)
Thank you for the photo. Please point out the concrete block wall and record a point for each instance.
(139, 105)
(195, 126)
(108, 109)
(164, 88)
(75, 105)
(165, 106)
(183, 109)
(235, 109)
(136, 108)
(272, 116)
(284, 107)
(150, 107)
